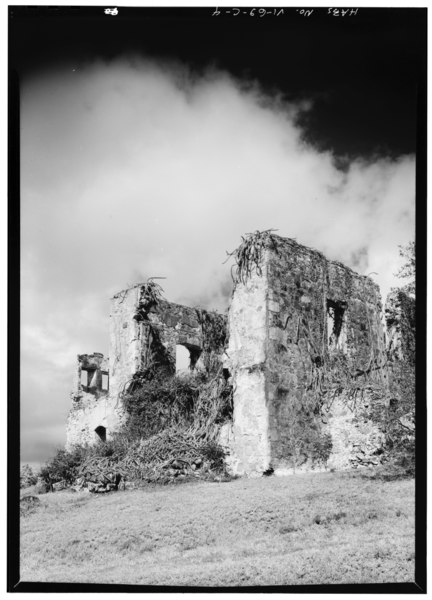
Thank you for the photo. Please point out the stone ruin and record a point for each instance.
(305, 345)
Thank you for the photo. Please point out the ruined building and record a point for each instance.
(305, 349)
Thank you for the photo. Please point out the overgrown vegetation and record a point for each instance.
(214, 332)
(171, 430)
(64, 466)
(150, 294)
(248, 256)
(177, 418)
(27, 476)
(159, 403)
(408, 269)
(305, 438)
(362, 387)
(172, 422)
(401, 418)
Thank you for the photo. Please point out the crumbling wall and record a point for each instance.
(126, 340)
(180, 325)
(91, 374)
(319, 325)
(246, 362)
(144, 332)
(324, 328)
(400, 320)
(304, 348)
(91, 419)
(400, 325)
(94, 414)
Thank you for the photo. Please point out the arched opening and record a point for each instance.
(183, 359)
(101, 433)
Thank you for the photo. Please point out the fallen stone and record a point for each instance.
(407, 423)
(30, 500)
(60, 485)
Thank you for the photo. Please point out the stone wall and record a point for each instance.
(401, 326)
(95, 413)
(286, 326)
(304, 347)
(246, 360)
(92, 419)
(144, 335)
(319, 311)
(140, 336)
(127, 346)
(179, 325)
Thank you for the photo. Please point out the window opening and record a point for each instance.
(84, 378)
(101, 433)
(105, 382)
(183, 359)
(336, 330)
(93, 379)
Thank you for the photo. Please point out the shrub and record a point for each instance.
(169, 418)
(160, 403)
(321, 448)
(27, 476)
(64, 465)
(117, 447)
(214, 454)
(163, 402)
(400, 440)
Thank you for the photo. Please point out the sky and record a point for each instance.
(150, 148)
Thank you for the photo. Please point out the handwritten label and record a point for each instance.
(250, 12)
(305, 12)
(111, 11)
(342, 12)
(277, 12)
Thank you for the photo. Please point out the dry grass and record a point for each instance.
(303, 529)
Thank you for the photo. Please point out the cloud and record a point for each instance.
(133, 169)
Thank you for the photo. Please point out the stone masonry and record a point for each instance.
(293, 325)
(134, 343)
(284, 325)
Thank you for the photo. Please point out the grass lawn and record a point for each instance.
(301, 529)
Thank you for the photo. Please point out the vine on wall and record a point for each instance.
(248, 256)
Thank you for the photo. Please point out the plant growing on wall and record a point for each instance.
(150, 294)
(214, 330)
(304, 436)
(248, 256)
(196, 403)
(408, 269)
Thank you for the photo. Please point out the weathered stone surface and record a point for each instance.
(137, 337)
(245, 360)
(89, 413)
(400, 324)
(310, 308)
(298, 322)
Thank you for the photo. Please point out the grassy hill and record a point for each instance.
(301, 529)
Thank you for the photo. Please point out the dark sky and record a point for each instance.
(361, 71)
